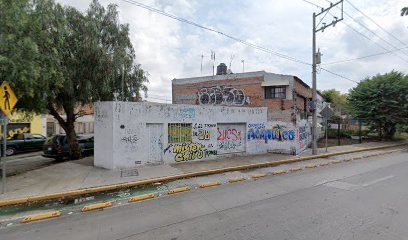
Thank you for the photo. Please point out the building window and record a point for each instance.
(180, 132)
(275, 92)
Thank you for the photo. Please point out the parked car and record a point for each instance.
(57, 147)
(24, 142)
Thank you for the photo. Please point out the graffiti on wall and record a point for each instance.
(189, 142)
(230, 138)
(222, 95)
(16, 128)
(277, 133)
(190, 151)
(304, 134)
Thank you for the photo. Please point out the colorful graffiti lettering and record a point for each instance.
(222, 95)
(277, 133)
(188, 151)
(202, 134)
(229, 134)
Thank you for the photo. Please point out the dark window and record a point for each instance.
(275, 92)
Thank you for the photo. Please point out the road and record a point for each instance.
(24, 162)
(364, 199)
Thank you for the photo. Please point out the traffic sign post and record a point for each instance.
(4, 121)
(8, 101)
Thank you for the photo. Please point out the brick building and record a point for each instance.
(285, 96)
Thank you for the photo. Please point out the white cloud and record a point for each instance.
(170, 49)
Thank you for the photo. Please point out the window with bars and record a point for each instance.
(275, 92)
(180, 132)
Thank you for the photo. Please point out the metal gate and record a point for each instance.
(231, 138)
(155, 131)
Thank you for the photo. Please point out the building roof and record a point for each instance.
(267, 77)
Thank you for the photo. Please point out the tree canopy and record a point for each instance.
(337, 99)
(57, 58)
(382, 101)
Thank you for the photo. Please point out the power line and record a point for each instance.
(358, 32)
(216, 31)
(229, 36)
(326, 70)
(378, 25)
(368, 56)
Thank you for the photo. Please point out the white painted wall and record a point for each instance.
(129, 134)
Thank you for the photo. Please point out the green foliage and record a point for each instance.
(57, 58)
(338, 100)
(382, 101)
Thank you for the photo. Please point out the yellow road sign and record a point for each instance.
(7, 98)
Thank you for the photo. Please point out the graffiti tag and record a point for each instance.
(222, 95)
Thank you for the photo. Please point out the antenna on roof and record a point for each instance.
(213, 59)
(202, 56)
(231, 58)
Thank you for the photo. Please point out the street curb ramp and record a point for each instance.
(80, 192)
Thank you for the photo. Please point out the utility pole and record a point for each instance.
(316, 60)
(123, 82)
(243, 65)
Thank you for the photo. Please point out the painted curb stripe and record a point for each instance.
(295, 169)
(76, 193)
(280, 172)
(96, 206)
(256, 176)
(178, 190)
(233, 180)
(311, 166)
(209, 184)
(141, 197)
(41, 216)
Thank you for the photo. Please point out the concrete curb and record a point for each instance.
(79, 192)
(96, 206)
(41, 216)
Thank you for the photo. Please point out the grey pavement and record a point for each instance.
(363, 199)
(71, 175)
(24, 162)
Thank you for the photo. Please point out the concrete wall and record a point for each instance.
(129, 134)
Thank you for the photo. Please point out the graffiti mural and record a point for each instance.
(202, 131)
(305, 135)
(278, 133)
(190, 151)
(222, 95)
(230, 138)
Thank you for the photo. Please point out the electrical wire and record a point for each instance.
(230, 36)
(358, 58)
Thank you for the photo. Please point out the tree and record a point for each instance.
(74, 59)
(337, 99)
(382, 101)
(404, 11)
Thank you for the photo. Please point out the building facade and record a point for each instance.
(286, 97)
(130, 134)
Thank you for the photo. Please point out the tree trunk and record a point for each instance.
(389, 131)
(69, 128)
(74, 149)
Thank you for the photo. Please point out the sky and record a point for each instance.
(168, 49)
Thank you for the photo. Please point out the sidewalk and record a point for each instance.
(79, 174)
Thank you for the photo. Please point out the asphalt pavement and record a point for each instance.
(364, 199)
(24, 162)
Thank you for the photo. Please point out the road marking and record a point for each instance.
(377, 181)
(342, 185)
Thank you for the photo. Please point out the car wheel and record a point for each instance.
(59, 159)
(10, 151)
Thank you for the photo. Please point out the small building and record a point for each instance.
(23, 122)
(286, 97)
